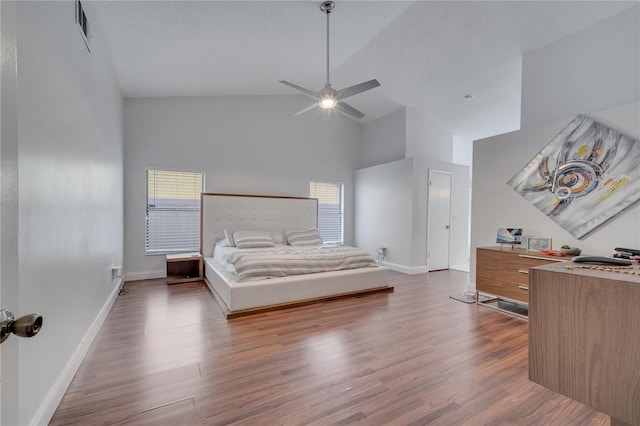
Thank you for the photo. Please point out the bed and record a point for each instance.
(220, 212)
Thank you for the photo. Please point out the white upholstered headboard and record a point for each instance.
(252, 213)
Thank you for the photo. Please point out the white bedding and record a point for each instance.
(285, 260)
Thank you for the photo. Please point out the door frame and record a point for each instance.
(450, 174)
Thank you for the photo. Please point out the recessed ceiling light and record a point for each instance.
(468, 97)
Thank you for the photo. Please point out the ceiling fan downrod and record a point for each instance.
(327, 7)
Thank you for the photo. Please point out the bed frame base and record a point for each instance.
(261, 309)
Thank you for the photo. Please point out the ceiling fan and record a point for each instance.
(328, 97)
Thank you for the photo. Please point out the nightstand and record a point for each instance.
(184, 268)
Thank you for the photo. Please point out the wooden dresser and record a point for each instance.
(504, 272)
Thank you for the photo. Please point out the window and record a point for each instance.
(173, 211)
(330, 210)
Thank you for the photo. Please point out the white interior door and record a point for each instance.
(1, 117)
(438, 220)
(0, 255)
(8, 208)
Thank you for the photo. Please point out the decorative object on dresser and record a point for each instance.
(584, 327)
(627, 253)
(537, 244)
(585, 176)
(511, 236)
(184, 268)
(570, 251)
(505, 274)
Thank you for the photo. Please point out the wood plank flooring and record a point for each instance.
(166, 356)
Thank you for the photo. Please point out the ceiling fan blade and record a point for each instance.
(357, 88)
(349, 110)
(305, 109)
(307, 92)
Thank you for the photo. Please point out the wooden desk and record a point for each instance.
(584, 337)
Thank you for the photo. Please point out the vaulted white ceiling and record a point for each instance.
(426, 54)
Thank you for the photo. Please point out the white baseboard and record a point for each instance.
(463, 267)
(48, 407)
(412, 270)
(145, 275)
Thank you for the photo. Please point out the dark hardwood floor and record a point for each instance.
(165, 356)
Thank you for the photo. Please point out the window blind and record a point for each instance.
(330, 210)
(173, 211)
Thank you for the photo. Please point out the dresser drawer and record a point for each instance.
(508, 266)
(502, 265)
(523, 264)
(509, 290)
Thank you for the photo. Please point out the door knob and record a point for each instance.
(446, 227)
(25, 326)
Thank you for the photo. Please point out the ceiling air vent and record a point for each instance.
(83, 23)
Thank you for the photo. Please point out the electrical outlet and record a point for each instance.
(382, 250)
(116, 272)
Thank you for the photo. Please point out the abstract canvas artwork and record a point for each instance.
(586, 175)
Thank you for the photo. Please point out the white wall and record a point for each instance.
(246, 145)
(384, 139)
(431, 145)
(384, 211)
(384, 214)
(496, 205)
(592, 72)
(427, 138)
(391, 210)
(593, 69)
(462, 150)
(70, 210)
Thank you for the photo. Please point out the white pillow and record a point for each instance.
(253, 239)
(309, 237)
(229, 236)
(277, 237)
(220, 243)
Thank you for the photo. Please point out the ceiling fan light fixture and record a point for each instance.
(328, 101)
